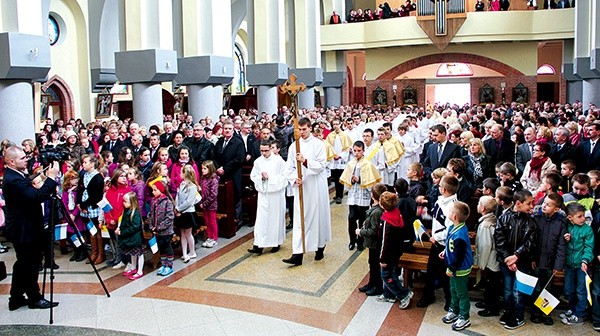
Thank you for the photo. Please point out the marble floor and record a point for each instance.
(228, 291)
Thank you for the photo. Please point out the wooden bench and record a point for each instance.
(225, 211)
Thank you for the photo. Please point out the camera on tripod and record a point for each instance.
(49, 155)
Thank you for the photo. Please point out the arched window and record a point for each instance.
(546, 69)
(238, 86)
(453, 70)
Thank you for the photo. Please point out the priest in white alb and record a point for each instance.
(317, 216)
(270, 181)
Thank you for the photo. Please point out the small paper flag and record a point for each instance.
(104, 231)
(419, 229)
(525, 283)
(92, 228)
(104, 205)
(76, 241)
(588, 282)
(153, 245)
(60, 232)
(546, 302)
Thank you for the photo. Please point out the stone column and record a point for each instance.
(147, 103)
(590, 92)
(574, 83)
(574, 91)
(24, 58)
(146, 69)
(266, 77)
(311, 77)
(333, 82)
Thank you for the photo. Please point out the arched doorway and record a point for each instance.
(60, 98)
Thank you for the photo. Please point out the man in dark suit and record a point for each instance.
(525, 150)
(589, 150)
(439, 152)
(229, 155)
(154, 146)
(25, 228)
(562, 149)
(201, 149)
(499, 147)
(114, 144)
(167, 137)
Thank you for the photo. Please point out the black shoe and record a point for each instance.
(42, 304)
(16, 303)
(81, 257)
(295, 260)
(507, 316)
(364, 288)
(514, 323)
(255, 249)
(537, 319)
(53, 266)
(275, 249)
(360, 247)
(64, 250)
(480, 305)
(487, 313)
(74, 256)
(351, 246)
(338, 200)
(374, 291)
(320, 253)
(424, 302)
(549, 321)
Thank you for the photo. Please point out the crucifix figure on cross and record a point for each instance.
(290, 87)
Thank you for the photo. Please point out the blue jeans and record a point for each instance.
(391, 284)
(596, 295)
(513, 299)
(575, 290)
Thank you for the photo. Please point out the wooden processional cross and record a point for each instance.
(290, 87)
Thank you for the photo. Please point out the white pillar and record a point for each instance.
(267, 99)
(147, 104)
(590, 92)
(306, 98)
(205, 100)
(17, 122)
(333, 96)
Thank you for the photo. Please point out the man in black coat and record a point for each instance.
(499, 147)
(562, 149)
(114, 144)
(589, 150)
(229, 155)
(25, 228)
(439, 152)
(201, 149)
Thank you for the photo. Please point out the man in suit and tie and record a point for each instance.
(589, 149)
(439, 152)
(248, 138)
(167, 138)
(136, 144)
(154, 145)
(525, 150)
(229, 155)
(25, 228)
(499, 147)
(114, 144)
(563, 149)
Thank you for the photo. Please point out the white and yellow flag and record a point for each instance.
(546, 302)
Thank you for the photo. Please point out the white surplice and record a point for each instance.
(269, 228)
(317, 213)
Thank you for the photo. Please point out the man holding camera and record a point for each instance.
(25, 228)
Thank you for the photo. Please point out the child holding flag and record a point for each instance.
(69, 199)
(130, 234)
(580, 246)
(459, 261)
(552, 226)
(515, 241)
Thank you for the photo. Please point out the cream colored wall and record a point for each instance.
(70, 58)
(522, 56)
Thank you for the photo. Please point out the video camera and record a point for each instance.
(49, 155)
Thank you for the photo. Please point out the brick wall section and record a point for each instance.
(417, 84)
(511, 81)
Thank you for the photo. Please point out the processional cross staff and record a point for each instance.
(291, 88)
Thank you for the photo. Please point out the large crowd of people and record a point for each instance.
(530, 172)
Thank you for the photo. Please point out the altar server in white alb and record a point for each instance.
(270, 180)
(317, 217)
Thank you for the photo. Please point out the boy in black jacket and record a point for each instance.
(391, 252)
(515, 238)
(551, 229)
(408, 208)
